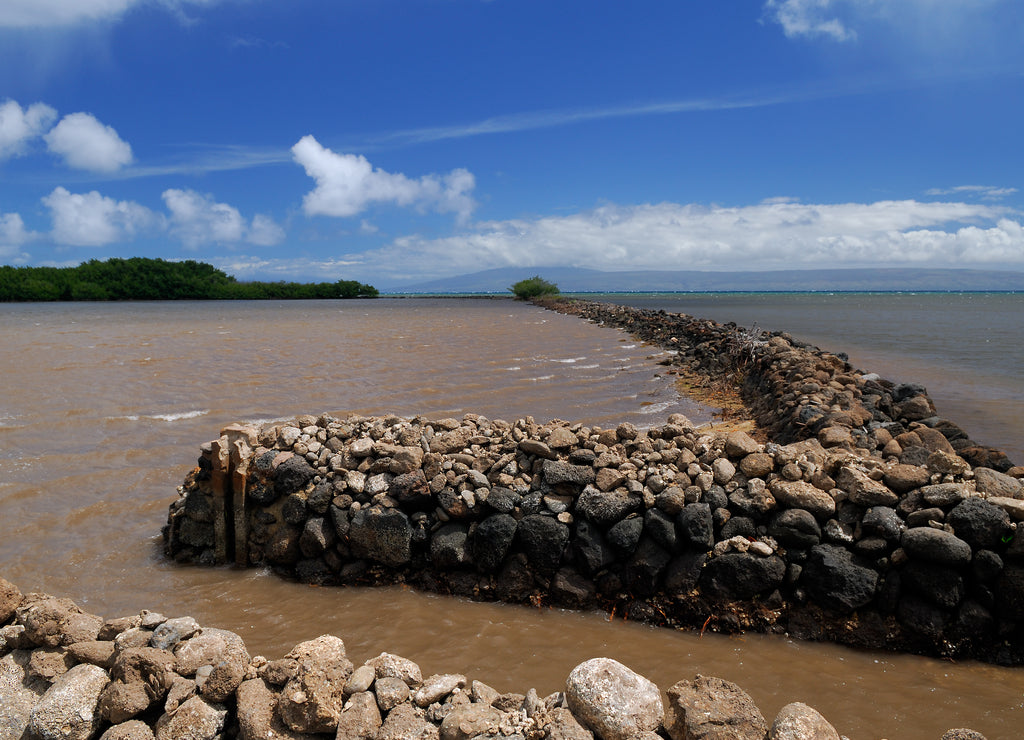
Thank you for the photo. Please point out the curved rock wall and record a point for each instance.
(69, 675)
(671, 525)
(794, 390)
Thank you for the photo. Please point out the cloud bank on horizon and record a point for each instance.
(830, 144)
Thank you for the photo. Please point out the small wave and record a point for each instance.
(627, 346)
(6, 421)
(656, 408)
(568, 360)
(542, 377)
(179, 416)
(512, 369)
(586, 367)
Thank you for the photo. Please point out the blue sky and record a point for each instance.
(398, 141)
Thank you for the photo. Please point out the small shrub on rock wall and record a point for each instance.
(533, 287)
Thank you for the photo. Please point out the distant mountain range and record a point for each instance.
(580, 280)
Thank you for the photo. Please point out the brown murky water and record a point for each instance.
(103, 407)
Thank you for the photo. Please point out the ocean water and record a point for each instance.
(103, 408)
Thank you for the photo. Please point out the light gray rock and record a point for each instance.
(797, 721)
(69, 710)
(196, 719)
(361, 680)
(799, 494)
(390, 692)
(131, 730)
(387, 664)
(10, 599)
(437, 687)
(255, 711)
(560, 724)
(204, 648)
(995, 483)
(469, 721)
(710, 708)
(173, 631)
(613, 701)
(864, 491)
(360, 719)
(406, 722)
(19, 693)
(313, 699)
(44, 618)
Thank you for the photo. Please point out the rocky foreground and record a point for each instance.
(69, 675)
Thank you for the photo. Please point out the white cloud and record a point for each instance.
(12, 230)
(197, 219)
(347, 184)
(87, 144)
(50, 13)
(986, 192)
(808, 18)
(769, 235)
(18, 126)
(264, 231)
(93, 220)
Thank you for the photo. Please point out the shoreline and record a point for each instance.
(145, 676)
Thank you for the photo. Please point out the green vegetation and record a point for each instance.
(533, 287)
(143, 279)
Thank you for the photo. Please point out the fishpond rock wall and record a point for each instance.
(66, 674)
(671, 525)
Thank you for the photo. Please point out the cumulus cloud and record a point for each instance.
(50, 13)
(87, 144)
(775, 234)
(19, 126)
(93, 220)
(347, 184)
(198, 219)
(12, 230)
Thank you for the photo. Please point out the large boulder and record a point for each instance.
(797, 721)
(982, 525)
(710, 708)
(798, 494)
(491, 540)
(195, 719)
(20, 690)
(612, 700)
(936, 546)
(543, 540)
(383, 535)
(69, 710)
(738, 576)
(313, 698)
(833, 580)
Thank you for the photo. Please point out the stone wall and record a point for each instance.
(671, 525)
(69, 675)
(794, 390)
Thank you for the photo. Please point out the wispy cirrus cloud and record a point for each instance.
(985, 192)
(57, 13)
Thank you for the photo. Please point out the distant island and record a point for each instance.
(145, 279)
(583, 280)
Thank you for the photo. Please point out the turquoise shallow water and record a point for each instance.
(966, 348)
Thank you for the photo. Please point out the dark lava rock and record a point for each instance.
(491, 541)
(317, 536)
(884, 522)
(320, 498)
(591, 550)
(383, 535)
(980, 524)
(558, 473)
(660, 527)
(411, 490)
(833, 580)
(644, 568)
(683, 572)
(502, 499)
(742, 526)
(921, 617)
(987, 565)
(293, 510)
(292, 475)
(605, 507)
(696, 527)
(936, 546)
(625, 535)
(795, 528)
(739, 576)
(542, 539)
(939, 585)
(448, 547)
